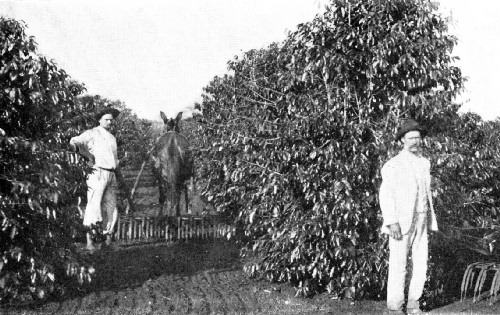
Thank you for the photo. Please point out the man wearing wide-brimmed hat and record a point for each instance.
(406, 204)
(100, 145)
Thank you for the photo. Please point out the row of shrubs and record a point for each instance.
(42, 185)
(289, 146)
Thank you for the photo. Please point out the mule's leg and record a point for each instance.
(170, 202)
(176, 198)
(193, 186)
(161, 188)
(157, 172)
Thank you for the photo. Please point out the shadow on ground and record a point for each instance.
(129, 266)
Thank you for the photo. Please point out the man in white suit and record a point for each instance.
(406, 204)
(100, 146)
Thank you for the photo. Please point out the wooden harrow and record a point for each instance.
(171, 228)
(479, 274)
(134, 227)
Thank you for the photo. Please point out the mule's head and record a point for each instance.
(171, 124)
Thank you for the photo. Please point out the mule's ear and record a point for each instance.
(179, 116)
(163, 116)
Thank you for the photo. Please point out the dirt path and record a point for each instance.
(196, 277)
(199, 278)
(187, 278)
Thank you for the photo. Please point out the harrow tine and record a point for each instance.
(468, 280)
(464, 281)
(495, 285)
(492, 288)
(480, 281)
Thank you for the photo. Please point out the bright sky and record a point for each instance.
(476, 25)
(158, 55)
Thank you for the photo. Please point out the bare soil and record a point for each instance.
(197, 277)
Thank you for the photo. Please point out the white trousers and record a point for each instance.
(101, 199)
(415, 241)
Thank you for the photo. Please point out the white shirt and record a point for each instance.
(419, 173)
(405, 190)
(101, 144)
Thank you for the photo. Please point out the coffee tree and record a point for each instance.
(294, 138)
(466, 171)
(465, 157)
(38, 178)
(42, 184)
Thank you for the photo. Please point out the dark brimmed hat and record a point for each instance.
(409, 125)
(108, 110)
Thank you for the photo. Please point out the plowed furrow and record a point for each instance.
(125, 302)
(197, 298)
(179, 302)
(199, 283)
(94, 303)
(152, 295)
(235, 282)
(235, 303)
(72, 306)
(218, 290)
(216, 302)
(143, 301)
(163, 299)
(107, 301)
(227, 293)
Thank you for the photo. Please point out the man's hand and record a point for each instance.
(395, 231)
(73, 146)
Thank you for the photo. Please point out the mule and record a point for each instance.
(173, 166)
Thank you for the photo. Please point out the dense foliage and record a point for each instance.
(466, 168)
(42, 184)
(293, 140)
(289, 147)
(465, 161)
(38, 180)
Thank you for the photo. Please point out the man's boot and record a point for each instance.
(108, 239)
(90, 242)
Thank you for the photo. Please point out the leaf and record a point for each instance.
(304, 77)
(252, 215)
(13, 232)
